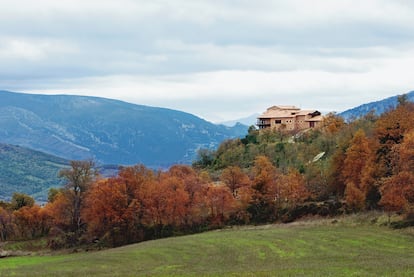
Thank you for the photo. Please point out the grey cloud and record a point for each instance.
(70, 41)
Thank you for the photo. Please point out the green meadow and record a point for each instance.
(340, 247)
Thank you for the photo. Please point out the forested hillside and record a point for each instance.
(33, 172)
(28, 171)
(268, 176)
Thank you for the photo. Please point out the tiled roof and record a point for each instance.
(285, 112)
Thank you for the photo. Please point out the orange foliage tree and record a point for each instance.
(266, 192)
(219, 204)
(194, 184)
(234, 178)
(292, 188)
(60, 211)
(332, 123)
(108, 212)
(165, 203)
(398, 190)
(389, 131)
(32, 221)
(357, 171)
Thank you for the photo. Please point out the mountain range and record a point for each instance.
(248, 121)
(108, 131)
(378, 107)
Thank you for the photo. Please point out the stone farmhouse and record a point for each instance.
(289, 118)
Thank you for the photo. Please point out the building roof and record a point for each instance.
(287, 112)
(315, 118)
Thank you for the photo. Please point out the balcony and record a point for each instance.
(262, 124)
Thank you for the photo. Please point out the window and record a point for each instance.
(278, 121)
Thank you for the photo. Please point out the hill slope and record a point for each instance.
(27, 171)
(110, 131)
(378, 107)
(273, 250)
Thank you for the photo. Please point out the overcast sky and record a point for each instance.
(218, 59)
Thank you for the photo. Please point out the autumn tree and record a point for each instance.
(32, 221)
(137, 180)
(389, 131)
(398, 192)
(109, 214)
(243, 201)
(165, 203)
(402, 155)
(398, 189)
(234, 178)
(332, 123)
(266, 192)
(220, 204)
(292, 188)
(357, 171)
(193, 185)
(178, 199)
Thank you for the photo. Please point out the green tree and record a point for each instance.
(52, 193)
(20, 200)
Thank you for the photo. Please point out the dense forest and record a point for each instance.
(268, 176)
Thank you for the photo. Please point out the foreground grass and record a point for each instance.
(328, 248)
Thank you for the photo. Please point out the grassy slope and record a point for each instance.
(275, 250)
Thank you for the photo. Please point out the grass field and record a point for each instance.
(324, 248)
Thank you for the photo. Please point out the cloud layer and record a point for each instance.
(217, 59)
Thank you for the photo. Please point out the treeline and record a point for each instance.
(140, 204)
(266, 177)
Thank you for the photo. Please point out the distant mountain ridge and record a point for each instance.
(378, 107)
(248, 121)
(109, 131)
